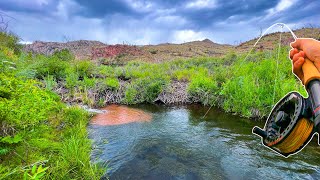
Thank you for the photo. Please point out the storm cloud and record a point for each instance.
(153, 22)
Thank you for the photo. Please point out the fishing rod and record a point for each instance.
(294, 120)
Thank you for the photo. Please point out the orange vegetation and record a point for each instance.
(117, 114)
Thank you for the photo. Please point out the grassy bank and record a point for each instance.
(41, 136)
(247, 87)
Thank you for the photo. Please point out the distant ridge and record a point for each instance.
(83, 49)
(207, 41)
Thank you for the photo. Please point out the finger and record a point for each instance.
(296, 44)
(296, 57)
(297, 67)
(293, 52)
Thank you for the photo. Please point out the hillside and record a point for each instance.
(119, 54)
(269, 41)
(81, 49)
(96, 50)
(164, 52)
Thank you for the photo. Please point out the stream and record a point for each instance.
(178, 143)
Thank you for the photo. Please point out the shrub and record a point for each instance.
(88, 82)
(27, 104)
(112, 83)
(32, 120)
(63, 55)
(51, 65)
(183, 74)
(85, 68)
(10, 41)
(72, 78)
(153, 51)
(204, 88)
(145, 89)
(105, 71)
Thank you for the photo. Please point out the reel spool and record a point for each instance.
(288, 128)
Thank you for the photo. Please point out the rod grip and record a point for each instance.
(310, 72)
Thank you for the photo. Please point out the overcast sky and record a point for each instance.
(152, 22)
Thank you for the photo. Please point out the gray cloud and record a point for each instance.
(100, 9)
(36, 6)
(151, 22)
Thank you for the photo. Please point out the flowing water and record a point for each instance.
(179, 144)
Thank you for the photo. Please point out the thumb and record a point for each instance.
(296, 44)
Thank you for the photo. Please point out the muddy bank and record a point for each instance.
(175, 93)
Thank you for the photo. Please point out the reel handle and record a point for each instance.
(310, 72)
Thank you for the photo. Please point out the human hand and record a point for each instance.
(301, 48)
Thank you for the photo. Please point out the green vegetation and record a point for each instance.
(112, 83)
(41, 137)
(257, 84)
(248, 87)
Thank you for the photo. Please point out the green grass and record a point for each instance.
(40, 137)
(112, 83)
(257, 83)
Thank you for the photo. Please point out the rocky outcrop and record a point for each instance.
(81, 49)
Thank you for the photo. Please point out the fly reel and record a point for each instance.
(288, 128)
(294, 119)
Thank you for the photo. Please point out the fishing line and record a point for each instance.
(207, 112)
(277, 67)
(266, 31)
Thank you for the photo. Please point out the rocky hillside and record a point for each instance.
(96, 50)
(109, 54)
(81, 49)
(164, 52)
